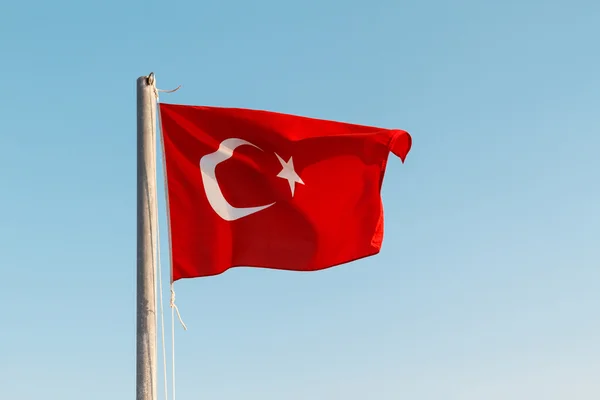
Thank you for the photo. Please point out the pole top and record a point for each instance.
(147, 80)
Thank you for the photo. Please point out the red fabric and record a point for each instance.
(335, 217)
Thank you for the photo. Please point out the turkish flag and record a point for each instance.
(264, 189)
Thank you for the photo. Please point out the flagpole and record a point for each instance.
(146, 240)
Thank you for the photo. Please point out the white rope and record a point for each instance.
(173, 310)
(174, 307)
(172, 345)
(158, 266)
(162, 319)
(170, 91)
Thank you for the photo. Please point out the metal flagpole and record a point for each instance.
(147, 225)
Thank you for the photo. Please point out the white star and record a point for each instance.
(289, 173)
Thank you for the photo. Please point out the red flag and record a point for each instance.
(264, 189)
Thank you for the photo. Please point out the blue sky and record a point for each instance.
(487, 285)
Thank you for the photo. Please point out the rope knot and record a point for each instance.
(174, 306)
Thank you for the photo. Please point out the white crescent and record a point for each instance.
(215, 197)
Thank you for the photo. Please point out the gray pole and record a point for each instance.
(146, 240)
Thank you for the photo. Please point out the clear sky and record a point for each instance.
(488, 283)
